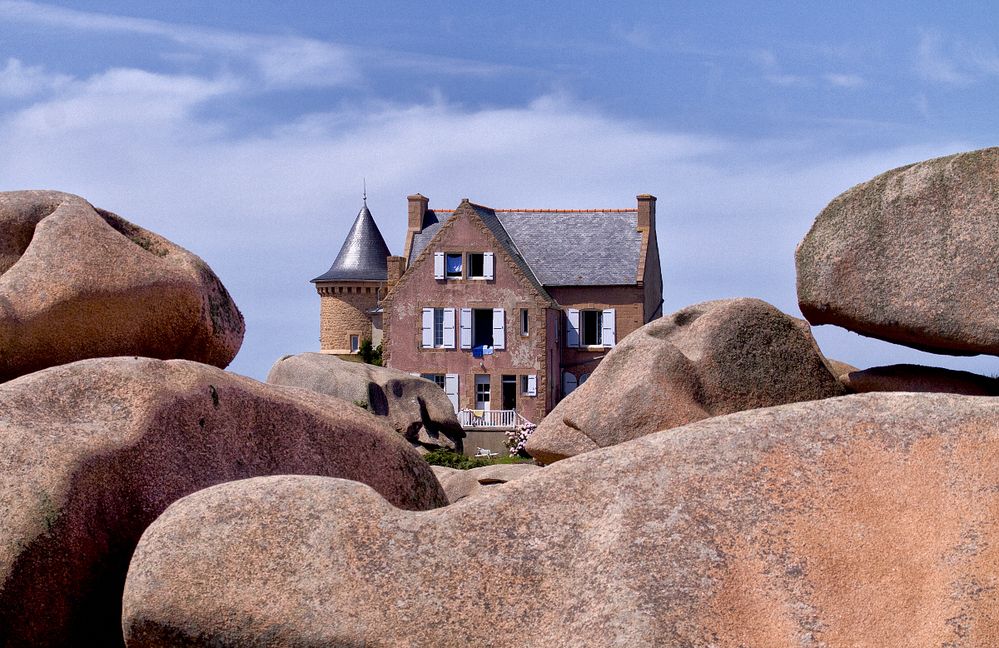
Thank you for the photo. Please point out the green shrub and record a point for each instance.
(451, 459)
(371, 356)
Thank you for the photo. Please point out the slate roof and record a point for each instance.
(362, 256)
(561, 247)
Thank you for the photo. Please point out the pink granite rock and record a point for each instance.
(79, 282)
(910, 256)
(92, 452)
(866, 520)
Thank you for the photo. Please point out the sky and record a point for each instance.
(244, 131)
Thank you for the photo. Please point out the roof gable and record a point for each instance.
(485, 219)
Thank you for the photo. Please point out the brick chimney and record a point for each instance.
(646, 211)
(396, 266)
(417, 210)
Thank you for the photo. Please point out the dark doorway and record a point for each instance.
(482, 327)
(509, 392)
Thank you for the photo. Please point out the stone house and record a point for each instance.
(508, 310)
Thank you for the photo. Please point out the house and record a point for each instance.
(507, 309)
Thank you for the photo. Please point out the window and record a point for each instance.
(475, 266)
(440, 379)
(589, 328)
(591, 324)
(524, 321)
(480, 265)
(438, 327)
(452, 266)
(483, 329)
(529, 385)
(355, 343)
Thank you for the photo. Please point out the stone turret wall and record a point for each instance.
(343, 312)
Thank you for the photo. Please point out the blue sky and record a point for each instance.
(243, 132)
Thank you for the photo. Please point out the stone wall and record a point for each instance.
(343, 311)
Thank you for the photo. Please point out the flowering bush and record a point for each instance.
(516, 439)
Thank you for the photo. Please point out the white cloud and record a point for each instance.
(113, 100)
(19, 81)
(280, 61)
(955, 61)
(844, 80)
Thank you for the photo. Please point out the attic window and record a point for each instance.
(452, 265)
(476, 265)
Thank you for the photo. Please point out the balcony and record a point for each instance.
(490, 419)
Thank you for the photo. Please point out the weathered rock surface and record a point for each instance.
(708, 359)
(911, 256)
(459, 484)
(868, 520)
(91, 452)
(78, 282)
(417, 408)
(916, 378)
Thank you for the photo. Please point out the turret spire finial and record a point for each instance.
(365, 188)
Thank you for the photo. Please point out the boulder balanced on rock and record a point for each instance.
(705, 360)
(91, 452)
(417, 408)
(78, 282)
(911, 257)
(865, 520)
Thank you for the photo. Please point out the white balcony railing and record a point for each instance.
(496, 419)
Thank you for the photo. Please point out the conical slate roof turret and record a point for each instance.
(362, 257)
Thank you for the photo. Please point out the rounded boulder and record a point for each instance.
(79, 282)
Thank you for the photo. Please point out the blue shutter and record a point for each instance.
(572, 329)
(448, 328)
(428, 328)
(499, 328)
(609, 328)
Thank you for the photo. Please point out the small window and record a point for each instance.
(524, 321)
(438, 327)
(439, 379)
(523, 384)
(476, 266)
(591, 324)
(452, 265)
(355, 343)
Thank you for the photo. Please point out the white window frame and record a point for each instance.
(355, 343)
(461, 271)
(437, 328)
